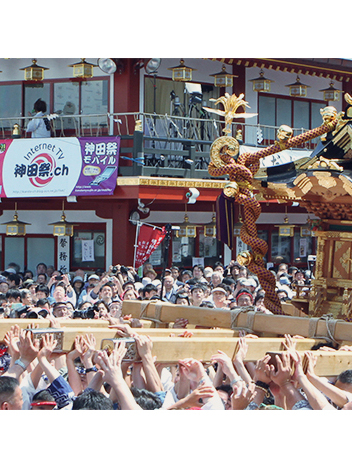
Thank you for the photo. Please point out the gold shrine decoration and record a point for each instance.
(241, 172)
(230, 103)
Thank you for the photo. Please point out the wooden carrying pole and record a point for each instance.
(241, 318)
(168, 347)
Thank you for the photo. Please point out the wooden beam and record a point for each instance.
(202, 345)
(259, 323)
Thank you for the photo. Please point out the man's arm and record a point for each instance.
(315, 398)
(337, 396)
(144, 347)
(282, 377)
(111, 365)
(28, 352)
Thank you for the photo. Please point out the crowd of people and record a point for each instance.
(34, 375)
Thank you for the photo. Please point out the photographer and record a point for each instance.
(100, 291)
(66, 292)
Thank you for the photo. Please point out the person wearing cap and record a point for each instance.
(244, 298)
(284, 283)
(151, 274)
(208, 272)
(197, 293)
(91, 282)
(219, 297)
(78, 286)
(250, 283)
(27, 283)
(60, 310)
(93, 279)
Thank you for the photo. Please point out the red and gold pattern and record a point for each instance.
(241, 173)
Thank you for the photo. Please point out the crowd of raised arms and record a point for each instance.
(33, 375)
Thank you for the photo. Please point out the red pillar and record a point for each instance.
(126, 88)
(123, 233)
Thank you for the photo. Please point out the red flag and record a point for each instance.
(149, 239)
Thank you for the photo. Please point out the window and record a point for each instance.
(183, 250)
(62, 97)
(66, 101)
(302, 246)
(94, 100)
(28, 251)
(11, 104)
(164, 104)
(296, 113)
(210, 249)
(96, 259)
(33, 93)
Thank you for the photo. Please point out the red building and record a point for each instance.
(165, 137)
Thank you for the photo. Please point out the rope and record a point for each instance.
(250, 311)
(158, 308)
(330, 324)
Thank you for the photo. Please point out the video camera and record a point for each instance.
(29, 314)
(88, 313)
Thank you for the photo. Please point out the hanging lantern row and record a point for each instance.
(35, 72)
(182, 73)
(18, 228)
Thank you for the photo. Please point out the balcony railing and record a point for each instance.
(167, 145)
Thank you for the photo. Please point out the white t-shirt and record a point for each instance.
(38, 128)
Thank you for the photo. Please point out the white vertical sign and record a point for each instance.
(63, 253)
(87, 250)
